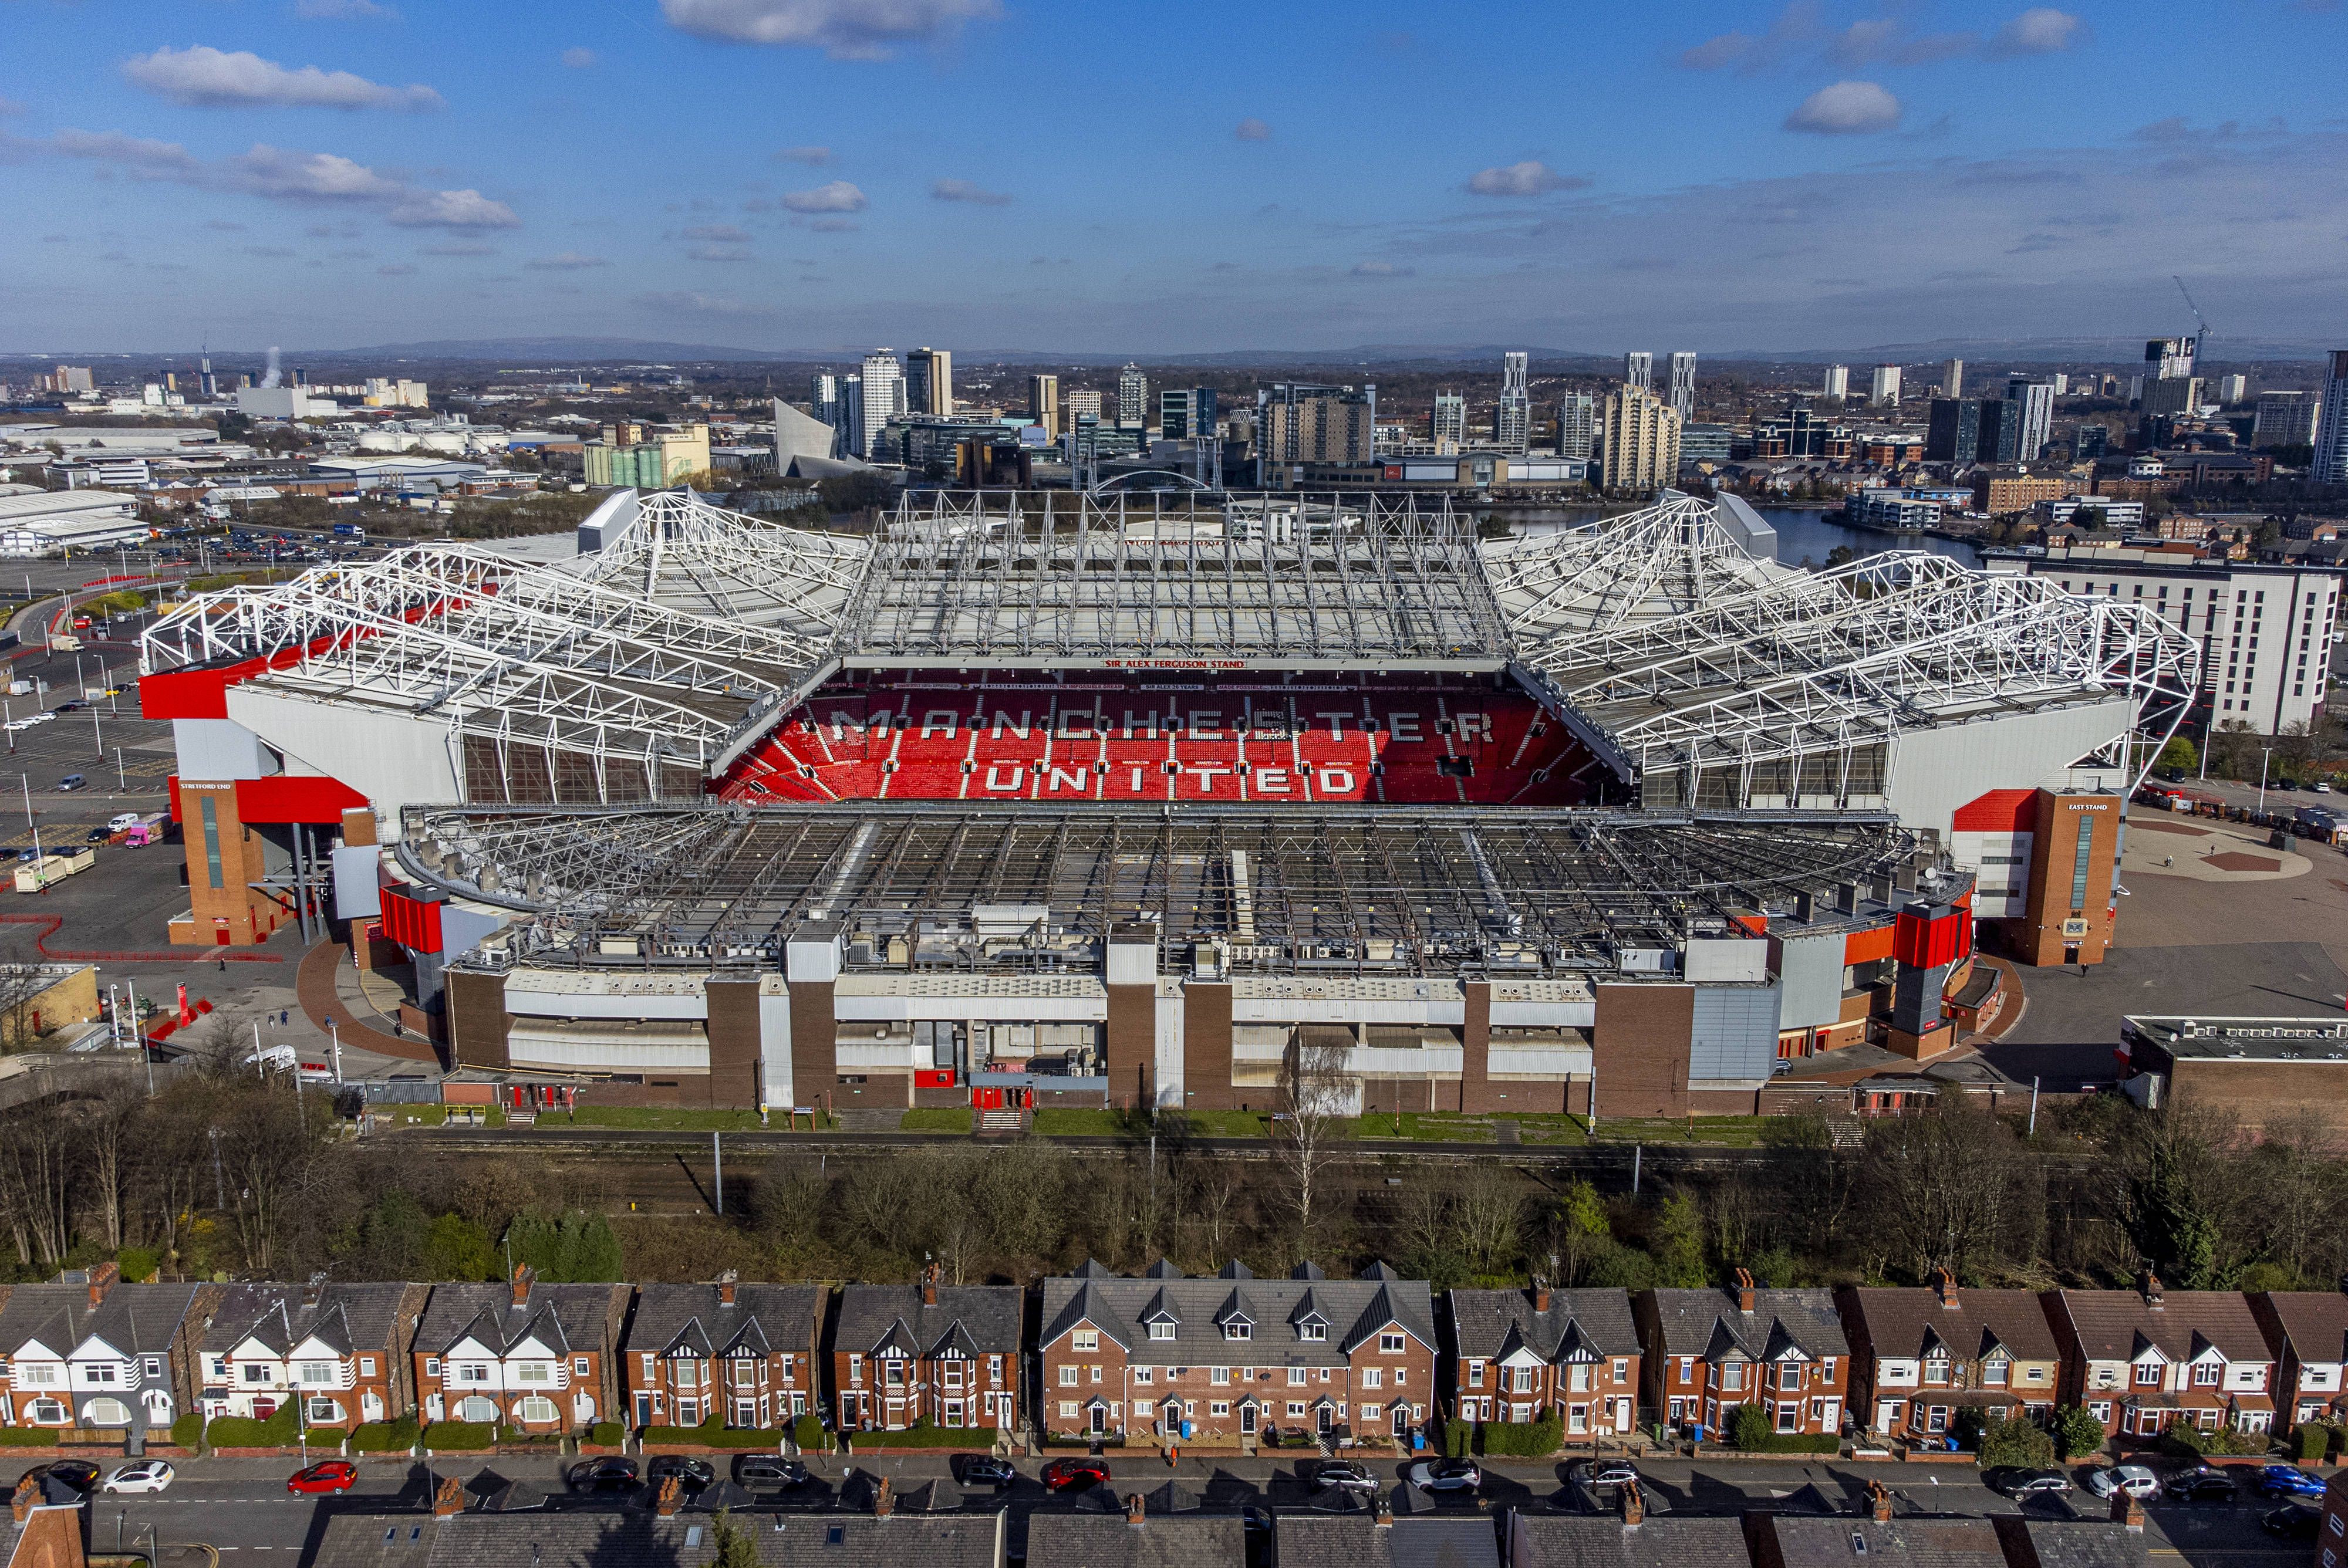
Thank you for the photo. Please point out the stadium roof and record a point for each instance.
(1408, 889)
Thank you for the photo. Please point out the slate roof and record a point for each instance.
(764, 1319)
(347, 1317)
(1353, 1310)
(1710, 1324)
(1602, 1540)
(1913, 1542)
(635, 1538)
(566, 1318)
(2313, 1323)
(136, 1319)
(984, 1319)
(1359, 1541)
(2116, 1325)
(2074, 1544)
(1904, 1323)
(1492, 1325)
(1102, 1540)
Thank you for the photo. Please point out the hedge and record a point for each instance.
(607, 1434)
(2016, 1442)
(189, 1429)
(807, 1433)
(2076, 1432)
(1522, 1439)
(281, 1429)
(2183, 1440)
(922, 1435)
(709, 1435)
(459, 1437)
(31, 1437)
(384, 1437)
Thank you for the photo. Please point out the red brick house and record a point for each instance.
(1920, 1356)
(945, 1354)
(1518, 1353)
(344, 1350)
(2307, 1333)
(746, 1353)
(537, 1357)
(2140, 1360)
(1217, 1359)
(1709, 1351)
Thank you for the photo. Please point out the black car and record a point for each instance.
(604, 1475)
(982, 1469)
(96, 835)
(2292, 1523)
(767, 1469)
(693, 1476)
(79, 1474)
(2203, 1488)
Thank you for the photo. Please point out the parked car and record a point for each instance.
(693, 1476)
(983, 1470)
(1344, 1474)
(2288, 1481)
(604, 1475)
(96, 835)
(2017, 1483)
(77, 1473)
(2133, 1478)
(141, 1475)
(1605, 1472)
(1075, 1474)
(72, 782)
(2292, 1522)
(76, 706)
(327, 1477)
(1456, 1477)
(2200, 1486)
(27, 856)
(766, 1470)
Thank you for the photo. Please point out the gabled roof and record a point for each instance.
(2120, 1325)
(764, 1318)
(2313, 1323)
(1097, 1538)
(1359, 1541)
(1902, 1322)
(1354, 1309)
(1082, 1308)
(1712, 1323)
(346, 1318)
(562, 1318)
(1483, 1322)
(134, 1319)
(1602, 1540)
(988, 1318)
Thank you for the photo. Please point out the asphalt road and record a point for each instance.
(240, 1506)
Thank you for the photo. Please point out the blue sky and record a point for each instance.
(1109, 178)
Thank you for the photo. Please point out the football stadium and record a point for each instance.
(1033, 798)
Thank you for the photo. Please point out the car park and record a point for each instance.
(693, 1476)
(982, 1469)
(604, 1475)
(2133, 1478)
(2292, 1522)
(141, 1475)
(1445, 1476)
(1075, 1474)
(327, 1477)
(767, 1469)
(2288, 1481)
(1344, 1474)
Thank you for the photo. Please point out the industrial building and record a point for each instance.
(52, 522)
(1618, 817)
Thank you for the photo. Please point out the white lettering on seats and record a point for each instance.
(997, 785)
(1404, 726)
(1337, 723)
(1336, 781)
(1475, 726)
(1272, 781)
(939, 722)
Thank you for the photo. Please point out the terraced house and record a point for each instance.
(2141, 1359)
(90, 1351)
(2307, 1333)
(743, 1354)
(1518, 1353)
(1709, 1351)
(1175, 1358)
(341, 1349)
(537, 1357)
(1923, 1354)
(944, 1354)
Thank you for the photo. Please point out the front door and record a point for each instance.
(1247, 1420)
(1401, 1422)
(1100, 1416)
(1324, 1421)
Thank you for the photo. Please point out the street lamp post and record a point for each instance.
(2265, 753)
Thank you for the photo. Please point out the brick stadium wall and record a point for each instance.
(1640, 1048)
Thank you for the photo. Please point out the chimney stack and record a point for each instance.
(1944, 1285)
(1540, 1293)
(1878, 1503)
(930, 1285)
(2151, 1286)
(315, 1291)
(25, 1498)
(524, 1275)
(726, 1283)
(1633, 1503)
(1133, 1509)
(671, 1492)
(1744, 1290)
(102, 1278)
(2128, 1510)
(885, 1499)
(448, 1497)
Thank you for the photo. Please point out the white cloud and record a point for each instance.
(1253, 129)
(1530, 178)
(343, 11)
(844, 29)
(838, 195)
(813, 157)
(1846, 109)
(285, 175)
(137, 155)
(275, 174)
(2041, 30)
(964, 191)
(205, 78)
(579, 58)
(719, 254)
(569, 261)
(452, 209)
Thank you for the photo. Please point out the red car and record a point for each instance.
(327, 1477)
(1067, 1474)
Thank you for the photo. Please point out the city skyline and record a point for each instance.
(332, 172)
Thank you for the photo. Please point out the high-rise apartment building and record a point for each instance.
(1642, 441)
(1132, 398)
(2168, 358)
(1043, 403)
(928, 382)
(2171, 394)
(2331, 464)
(1577, 425)
(851, 414)
(1952, 379)
(1837, 382)
(1885, 392)
(823, 398)
(1299, 423)
(1953, 431)
(1639, 370)
(1999, 439)
(1174, 414)
(2233, 389)
(1074, 402)
(2285, 420)
(2036, 399)
(1512, 419)
(1682, 398)
(1447, 425)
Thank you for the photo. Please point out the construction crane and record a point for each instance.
(2201, 346)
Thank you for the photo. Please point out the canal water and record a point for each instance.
(1803, 533)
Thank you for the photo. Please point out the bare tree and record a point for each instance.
(1488, 1218)
(110, 1123)
(1316, 1103)
(1946, 1183)
(39, 1152)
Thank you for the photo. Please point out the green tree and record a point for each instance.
(1749, 1428)
(2076, 1433)
(1679, 1243)
(1580, 1232)
(2180, 754)
(456, 1249)
(731, 1547)
(2169, 1212)
(2018, 1443)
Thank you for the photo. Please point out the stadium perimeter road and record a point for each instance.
(242, 1507)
